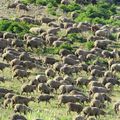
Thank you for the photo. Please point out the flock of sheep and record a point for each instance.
(62, 78)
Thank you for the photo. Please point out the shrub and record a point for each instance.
(71, 7)
(89, 45)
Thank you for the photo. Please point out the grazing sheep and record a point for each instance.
(95, 89)
(49, 60)
(41, 78)
(21, 73)
(21, 100)
(97, 73)
(96, 103)
(16, 67)
(15, 62)
(6, 102)
(115, 67)
(21, 7)
(82, 81)
(117, 107)
(58, 78)
(46, 20)
(95, 83)
(17, 117)
(79, 118)
(66, 69)
(44, 88)
(45, 97)
(9, 95)
(93, 111)
(102, 97)
(49, 72)
(57, 66)
(9, 35)
(65, 2)
(4, 91)
(104, 33)
(54, 84)
(3, 66)
(74, 107)
(63, 99)
(64, 52)
(66, 88)
(27, 89)
(69, 61)
(21, 108)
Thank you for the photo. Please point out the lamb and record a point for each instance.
(49, 72)
(17, 117)
(21, 108)
(63, 99)
(45, 97)
(74, 107)
(93, 111)
(44, 88)
(28, 88)
(21, 100)
(117, 107)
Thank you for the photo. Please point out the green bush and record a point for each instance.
(71, 7)
(74, 37)
(89, 45)
(16, 27)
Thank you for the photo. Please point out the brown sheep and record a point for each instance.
(43, 88)
(49, 60)
(63, 99)
(17, 117)
(45, 97)
(41, 78)
(57, 66)
(117, 107)
(74, 107)
(50, 72)
(82, 81)
(21, 100)
(93, 111)
(97, 73)
(64, 52)
(21, 108)
(28, 89)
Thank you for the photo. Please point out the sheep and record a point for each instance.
(20, 73)
(69, 79)
(21, 7)
(65, 2)
(9, 95)
(4, 91)
(109, 86)
(50, 39)
(79, 118)
(44, 88)
(95, 83)
(57, 43)
(17, 99)
(95, 89)
(82, 81)
(63, 99)
(16, 67)
(91, 67)
(17, 117)
(49, 72)
(115, 67)
(9, 35)
(53, 31)
(64, 52)
(57, 66)
(15, 62)
(69, 61)
(96, 103)
(28, 88)
(3, 43)
(46, 20)
(3, 66)
(17, 43)
(45, 97)
(66, 70)
(54, 84)
(41, 78)
(58, 78)
(102, 43)
(74, 107)
(21, 108)
(49, 60)
(102, 97)
(66, 88)
(6, 102)
(93, 111)
(104, 33)
(97, 73)
(117, 107)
